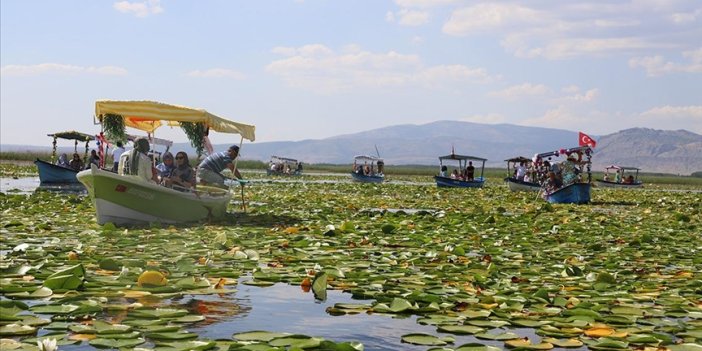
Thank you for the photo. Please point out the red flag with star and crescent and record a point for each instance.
(585, 140)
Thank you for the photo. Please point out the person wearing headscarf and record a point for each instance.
(63, 161)
(94, 158)
(136, 162)
(183, 175)
(167, 166)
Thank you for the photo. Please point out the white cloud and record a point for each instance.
(576, 96)
(658, 66)
(673, 117)
(521, 91)
(682, 18)
(560, 117)
(490, 16)
(565, 30)
(491, 118)
(217, 73)
(413, 18)
(390, 16)
(139, 8)
(417, 39)
(319, 68)
(57, 68)
(423, 3)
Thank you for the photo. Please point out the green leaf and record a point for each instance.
(115, 343)
(423, 339)
(460, 329)
(258, 335)
(319, 286)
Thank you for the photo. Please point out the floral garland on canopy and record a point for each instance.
(196, 132)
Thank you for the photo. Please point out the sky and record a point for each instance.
(311, 69)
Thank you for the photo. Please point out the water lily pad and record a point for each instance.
(527, 344)
(460, 329)
(497, 336)
(423, 339)
(258, 335)
(16, 330)
(477, 347)
(566, 343)
(295, 341)
(319, 286)
(115, 343)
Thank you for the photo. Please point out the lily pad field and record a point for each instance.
(321, 263)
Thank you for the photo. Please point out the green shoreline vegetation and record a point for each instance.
(20, 159)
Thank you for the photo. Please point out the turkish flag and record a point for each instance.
(584, 139)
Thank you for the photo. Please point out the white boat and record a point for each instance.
(621, 180)
(516, 184)
(127, 199)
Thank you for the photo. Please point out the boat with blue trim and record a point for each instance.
(464, 175)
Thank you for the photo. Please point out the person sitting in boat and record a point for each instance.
(299, 167)
(454, 174)
(629, 180)
(569, 170)
(166, 167)
(527, 176)
(116, 154)
(443, 171)
(520, 171)
(93, 159)
(136, 162)
(366, 169)
(553, 183)
(182, 175)
(606, 177)
(618, 177)
(63, 161)
(209, 170)
(273, 167)
(470, 171)
(76, 163)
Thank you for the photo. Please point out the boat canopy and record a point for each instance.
(461, 157)
(149, 115)
(623, 168)
(276, 159)
(73, 135)
(367, 158)
(154, 141)
(565, 151)
(518, 159)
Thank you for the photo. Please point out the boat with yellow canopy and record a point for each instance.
(128, 199)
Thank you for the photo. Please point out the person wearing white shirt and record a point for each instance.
(116, 154)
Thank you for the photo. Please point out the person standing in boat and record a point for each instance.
(470, 172)
(209, 172)
(136, 162)
(116, 154)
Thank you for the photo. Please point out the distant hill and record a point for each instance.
(663, 151)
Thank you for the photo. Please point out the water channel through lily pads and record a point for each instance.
(321, 264)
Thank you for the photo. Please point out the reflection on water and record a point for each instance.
(28, 185)
(285, 308)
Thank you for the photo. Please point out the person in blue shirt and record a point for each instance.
(209, 171)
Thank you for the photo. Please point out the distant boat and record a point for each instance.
(130, 199)
(51, 173)
(620, 178)
(444, 179)
(284, 166)
(368, 169)
(576, 190)
(516, 184)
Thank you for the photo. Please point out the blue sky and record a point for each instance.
(310, 69)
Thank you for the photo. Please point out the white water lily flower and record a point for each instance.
(430, 254)
(317, 267)
(449, 248)
(330, 227)
(48, 344)
(591, 277)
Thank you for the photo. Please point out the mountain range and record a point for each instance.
(661, 151)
